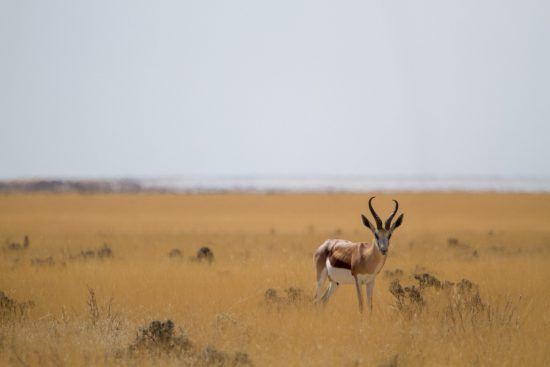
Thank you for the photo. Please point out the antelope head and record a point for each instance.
(382, 233)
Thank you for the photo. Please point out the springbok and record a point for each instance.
(346, 262)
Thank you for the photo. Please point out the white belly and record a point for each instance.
(343, 276)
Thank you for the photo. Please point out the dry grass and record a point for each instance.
(91, 310)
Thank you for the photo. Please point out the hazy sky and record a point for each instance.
(148, 88)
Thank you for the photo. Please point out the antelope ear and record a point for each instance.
(367, 223)
(398, 222)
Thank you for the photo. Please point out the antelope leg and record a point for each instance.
(359, 295)
(320, 283)
(370, 288)
(331, 288)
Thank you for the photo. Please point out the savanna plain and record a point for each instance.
(107, 279)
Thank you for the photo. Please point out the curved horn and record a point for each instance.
(376, 217)
(390, 218)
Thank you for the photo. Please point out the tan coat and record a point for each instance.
(359, 257)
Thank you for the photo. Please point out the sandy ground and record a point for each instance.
(499, 242)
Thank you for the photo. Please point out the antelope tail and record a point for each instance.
(320, 258)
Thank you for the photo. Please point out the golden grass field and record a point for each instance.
(267, 241)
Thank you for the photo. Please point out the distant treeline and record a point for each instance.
(80, 186)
